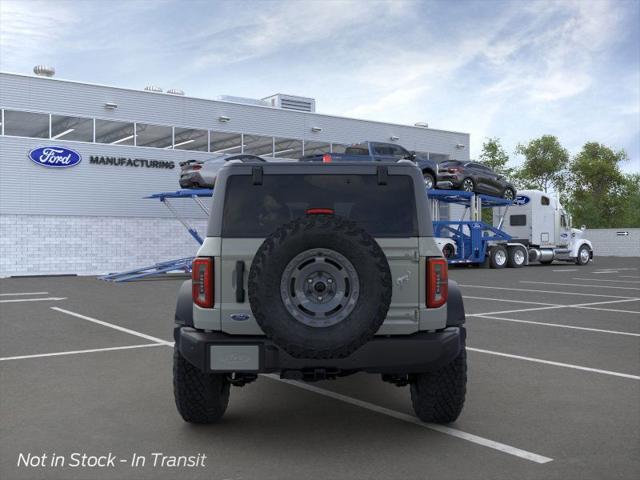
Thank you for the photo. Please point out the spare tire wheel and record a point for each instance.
(320, 287)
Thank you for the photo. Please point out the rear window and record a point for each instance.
(357, 150)
(450, 163)
(255, 211)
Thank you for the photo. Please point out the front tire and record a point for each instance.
(438, 397)
(200, 397)
(584, 255)
(468, 185)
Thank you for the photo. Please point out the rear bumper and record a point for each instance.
(420, 352)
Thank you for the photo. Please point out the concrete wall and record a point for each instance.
(49, 244)
(608, 242)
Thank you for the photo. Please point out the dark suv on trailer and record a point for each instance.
(315, 271)
(475, 177)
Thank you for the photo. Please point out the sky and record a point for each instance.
(515, 70)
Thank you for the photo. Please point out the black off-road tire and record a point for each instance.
(438, 397)
(320, 232)
(200, 397)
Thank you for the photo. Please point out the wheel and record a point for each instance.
(517, 257)
(200, 397)
(584, 255)
(429, 181)
(320, 287)
(508, 194)
(438, 397)
(468, 185)
(448, 251)
(498, 258)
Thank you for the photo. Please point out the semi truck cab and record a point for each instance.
(538, 221)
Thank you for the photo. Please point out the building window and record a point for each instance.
(316, 148)
(227, 143)
(157, 136)
(191, 139)
(115, 133)
(26, 124)
(71, 128)
(258, 145)
(287, 148)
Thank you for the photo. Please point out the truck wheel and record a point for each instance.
(517, 257)
(320, 287)
(584, 255)
(438, 397)
(429, 181)
(499, 257)
(200, 397)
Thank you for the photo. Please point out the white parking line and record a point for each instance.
(47, 299)
(588, 306)
(115, 327)
(566, 270)
(557, 364)
(559, 325)
(605, 280)
(533, 457)
(581, 285)
(75, 352)
(509, 301)
(629, 276)
(22, 293)
(527, 290)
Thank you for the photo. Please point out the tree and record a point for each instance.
(600, 195)
(545, 164)
(495, 157)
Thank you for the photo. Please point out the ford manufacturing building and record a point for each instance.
(91, 217)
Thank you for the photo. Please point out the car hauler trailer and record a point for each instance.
(532, 228)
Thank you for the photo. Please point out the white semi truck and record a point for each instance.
(534, 228)
(537, 221)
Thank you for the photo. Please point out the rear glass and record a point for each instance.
(357, 150)
(255, 211)
(450, 163)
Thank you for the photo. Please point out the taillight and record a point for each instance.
(326, 158)
(196, 167)
(454, 170)
(202, 282)
(319, 211)
(437, 282)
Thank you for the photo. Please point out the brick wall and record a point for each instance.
(41, 245)
(607, 241)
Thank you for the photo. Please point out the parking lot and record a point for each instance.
(553, 391)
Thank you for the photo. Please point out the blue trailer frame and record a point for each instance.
(180, 264)
(472, 237)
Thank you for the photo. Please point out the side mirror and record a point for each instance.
(412, 155)
(583, 227)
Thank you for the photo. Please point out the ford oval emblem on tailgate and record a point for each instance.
(55, 157)
(240, 317)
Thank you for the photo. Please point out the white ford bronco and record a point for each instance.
(317, 271)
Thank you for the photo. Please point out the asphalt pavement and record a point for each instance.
(553, 391)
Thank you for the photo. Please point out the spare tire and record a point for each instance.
(320, 287)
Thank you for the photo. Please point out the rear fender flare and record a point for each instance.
(455, 306)
(184, 305)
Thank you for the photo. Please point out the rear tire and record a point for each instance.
(517, 257)
(499, 257)
(429, 180)
(200, 397)
(509, 194)
(438, 397)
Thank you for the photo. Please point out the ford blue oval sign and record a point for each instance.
(55, 157)
(521, 200)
